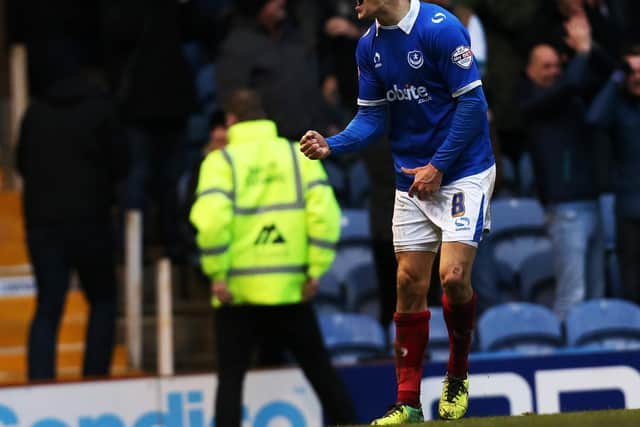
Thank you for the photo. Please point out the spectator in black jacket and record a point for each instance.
(264, 51)
(552, 104)
(156, 94)
(70, 162)
(617, 108)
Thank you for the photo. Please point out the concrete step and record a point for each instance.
(13, 363)
(13, 249)
(16, 333)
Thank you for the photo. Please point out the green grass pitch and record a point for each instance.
(610, 418)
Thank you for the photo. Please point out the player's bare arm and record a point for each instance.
(314, 146)
(427, 180)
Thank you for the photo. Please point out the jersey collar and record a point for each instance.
(406, 23)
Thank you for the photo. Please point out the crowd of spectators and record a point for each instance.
(562, 78)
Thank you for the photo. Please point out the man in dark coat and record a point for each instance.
(155, 92)
(265, 52)
(70, 163)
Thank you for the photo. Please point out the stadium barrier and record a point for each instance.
(18, 102)
(164, 318)
(133, 286)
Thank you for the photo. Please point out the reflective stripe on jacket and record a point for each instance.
(266, 216)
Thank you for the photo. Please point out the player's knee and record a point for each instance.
(409, 284)
(454, 282)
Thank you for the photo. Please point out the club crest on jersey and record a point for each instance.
(462, 57)
(415, 59)
(377, 60)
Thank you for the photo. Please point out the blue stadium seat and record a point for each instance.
(354, 246)
(354, 227)
(511, 252)
(495, 282)
(370, 307)
(337, 179)
(605, 323)
(331, 294)
(521, 327)
(516, 213)
(359, 184)
(537, 278)
(350, 337)
(206, 83)
(349, 257)
(517, 232)
(361, 285)
(438, 347)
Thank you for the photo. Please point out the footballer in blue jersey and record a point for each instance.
(419, 69)
(417, 72)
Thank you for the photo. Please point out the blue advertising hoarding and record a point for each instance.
(509, 384)
(500, 385)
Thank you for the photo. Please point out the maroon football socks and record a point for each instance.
(412, 335)
(460, 320)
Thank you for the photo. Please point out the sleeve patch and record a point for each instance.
(462, 57)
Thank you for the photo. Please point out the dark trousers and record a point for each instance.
(628, 235)
(386, 271)
(241, 329)
(55, 251)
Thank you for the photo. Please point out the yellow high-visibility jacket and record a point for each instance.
(266, 216)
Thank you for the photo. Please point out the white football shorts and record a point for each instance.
(458, 212)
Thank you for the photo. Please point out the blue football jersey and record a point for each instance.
(418, 68)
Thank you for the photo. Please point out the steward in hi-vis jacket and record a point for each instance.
(266, 216)
(267, 224)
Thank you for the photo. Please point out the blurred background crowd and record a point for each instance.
(562, 78)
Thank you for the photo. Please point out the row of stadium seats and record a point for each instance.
(521, 328)
(351, 283)
(533, 329)
(515, 260)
